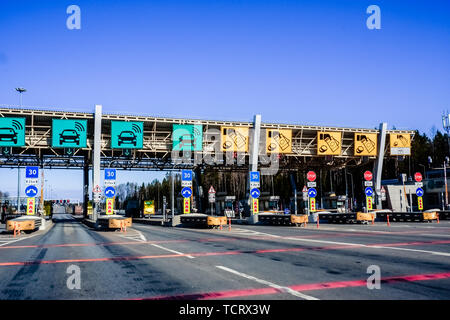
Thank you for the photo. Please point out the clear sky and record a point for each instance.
(305, 62)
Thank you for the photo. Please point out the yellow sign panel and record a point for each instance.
(312, 205)
(369, 202)
(31, 206)
(400, 144)
(365, 144)
(420, 203)
(187, 205)
(278, 141)
(149, 207)
(255, 206)
(234, 139)
(110, 206)
(329, 143)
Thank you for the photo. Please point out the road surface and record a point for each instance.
(248, 262)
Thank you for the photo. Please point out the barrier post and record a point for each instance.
(388, 221)
(229, 226)
(318, 221)
(373, 218)
(437, 216)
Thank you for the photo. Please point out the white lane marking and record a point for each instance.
(141, 238)
(270, 284)
(15, 240)
(363, 245)
(252, 233)
(415, 250)
(170, 250)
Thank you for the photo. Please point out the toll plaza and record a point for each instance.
(310, 156)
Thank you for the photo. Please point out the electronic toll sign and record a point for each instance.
(69, 133)
(127, 135)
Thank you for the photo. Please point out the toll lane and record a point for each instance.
(246, 262)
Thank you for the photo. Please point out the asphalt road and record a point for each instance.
(248, 262)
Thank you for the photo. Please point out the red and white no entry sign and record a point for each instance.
(311, 176)
(368, 175)
(418, 176)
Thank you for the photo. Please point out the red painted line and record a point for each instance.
(93, 244)
(219, 253)
(300, 287)
(414, 243)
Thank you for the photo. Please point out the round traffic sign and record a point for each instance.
(110, 192)
(312, 193)
(368, 175)
(311, 176)
(419, 192)
(31, 191)
(368, 191)
(418, 176)
(255, 193)
(186, 192)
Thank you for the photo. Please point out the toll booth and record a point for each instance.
(334, 203)
(225, 205)
(269, 203)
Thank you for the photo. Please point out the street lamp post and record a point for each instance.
(446, 161)
(446, 126)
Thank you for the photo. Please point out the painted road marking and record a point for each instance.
(203, 254)
(227, 294)
(269, 284)
(369, 246)
(173, 251)
(15, 240)
(141, 238)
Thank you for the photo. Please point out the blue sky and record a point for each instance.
(304, 62)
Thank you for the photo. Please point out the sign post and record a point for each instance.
(212, 198)
(419, 191)
(254, 191)
(31, 191)
(368, 176)
(311, 192)
(186, 192)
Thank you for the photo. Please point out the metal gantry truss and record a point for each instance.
(157, 146)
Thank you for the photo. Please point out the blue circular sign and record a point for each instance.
(110, 192)
(368, 191)
(31, 191)
(312, 193)
(419, 192)
(186, 192)
(255, 193)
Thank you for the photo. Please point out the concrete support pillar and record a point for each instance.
(198, 182)
(379, 163)
(96, 156)
(85, 186)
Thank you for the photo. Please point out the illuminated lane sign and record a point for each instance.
(127, 135)
(12, 132)
(187, 137)
(69, 133)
